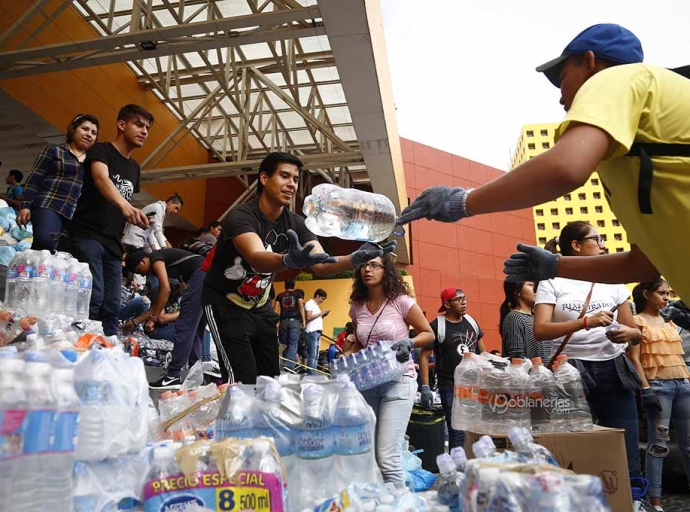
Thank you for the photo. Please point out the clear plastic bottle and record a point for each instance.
(572, 404)
(71, 289)
(524, 444)
(30, 492)
(542, 394)
(85, 491)
(267, 421)
(459, 458)
(59, 283)
(13, 411)
(26, 270)
(467, 375)
(348, 213)
(40, 284)
(353, 443)
(517, 412)
(234, 418)
(170, 406)
(85, 281)
(448, 481)
(493, 385)
(11, 280)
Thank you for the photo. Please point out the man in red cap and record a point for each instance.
(456, 332)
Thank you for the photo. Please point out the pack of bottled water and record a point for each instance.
(370, 367)
(45, 284)
(359, 497)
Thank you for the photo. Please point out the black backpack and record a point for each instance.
(196, 246)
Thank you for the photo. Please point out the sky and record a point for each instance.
(463, 70)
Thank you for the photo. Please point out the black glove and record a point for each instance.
(650, 401)
(677, 312)
(302, 257)
(427, 397)
(446, 204)
(402, 349)
(370, 250)
(531, 264)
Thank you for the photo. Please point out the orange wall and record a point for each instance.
(468, 254)
(101, 91)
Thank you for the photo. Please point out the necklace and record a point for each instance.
(74, 152)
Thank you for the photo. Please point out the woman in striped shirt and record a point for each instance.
(517, 323)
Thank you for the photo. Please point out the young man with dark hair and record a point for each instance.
(15, 191)
(290, 306)
(111, 177)
(314, 327)
(259, 239)
(152, 238)
(215, 228)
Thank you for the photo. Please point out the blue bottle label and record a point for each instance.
(84, 283)
(315, 444)
(12, 432)
(38, 434)
(12, 272)
(66, 431)
(353, 440)
(93, 392)
(282, 439)
(84, 503)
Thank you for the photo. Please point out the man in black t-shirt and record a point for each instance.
(257, 240)
(455, 333)
(111, 177)
(190, 325)
(290, 304)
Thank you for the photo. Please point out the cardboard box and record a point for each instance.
(599, 452)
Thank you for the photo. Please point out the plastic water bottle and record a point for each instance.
(234, 418)
(353, 443)
(524, 444)
(465, 414)
(40, 284)
(349, 213)
(267, 420)
(572, 406)
(518, 413)
(13, 411)
(26, 270)
(85, 281)
(71, 289)
(542, 391)
(493, 384)
(11, 280)
(59, 283)
(459, 458)
(448, 481)
(30, 491)
(171, 405)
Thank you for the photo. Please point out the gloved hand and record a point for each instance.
(531, 264)
(446, 204)
(649, 400)
(302, 257)
(677, 312)
(370, 250)
(402, 349)
(427, 397)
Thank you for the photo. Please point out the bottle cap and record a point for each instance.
(458, 453)
(519, 436)
(536, 360)
(468, 355)
(194, 393)
(181, 392)
(562, 358)
(445, 463)
(516, 361)
(223, 388)
(166, 394)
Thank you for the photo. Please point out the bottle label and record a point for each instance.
(60, 275)
(44, 271)
(249, 490)
(72, 279)
(282, 439)
(66, 431)
(315, 444)
(26, 271)
(85, 283)
(353, 440)
(94, 392)
(12, 272)
(38, 434)
(84, 503)
(11, 432)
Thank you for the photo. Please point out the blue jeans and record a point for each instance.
(615, 407)
(190, 325)
(313, 343)
(392, 404)
(164, 332)
(106, 270)
(47, 224)
(136, 306)
(674, 395)
(455, 437)
(288, 335)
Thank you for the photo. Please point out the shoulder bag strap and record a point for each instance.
(374, 324)
(183, 259)
(585, 305)
(441, 328)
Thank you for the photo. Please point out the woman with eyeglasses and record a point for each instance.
(382, 309)
(595, 348)
(54, 185)
(665, 388)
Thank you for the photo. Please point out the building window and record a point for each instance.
(618, 237)
(531, 145)
(544, 133)
(619, 249)
(545, 145)
(601, 224)
(539, 213)
(554, 211)
(567, 197)
(582, 196)
(597, 195)
(599, 209)
(594, 181)
(603, 237)
(530, 133)
(615, 223)
(584, 210)
(542, 241)
(568, 211)
(541, 227)
(556, 225)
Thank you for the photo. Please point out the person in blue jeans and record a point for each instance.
(665, 383)
(290, 306)
(314, 327)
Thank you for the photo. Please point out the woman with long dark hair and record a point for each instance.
(665, 388)
(584, 310)
(517, 323)
(382, 309)
(54, 185)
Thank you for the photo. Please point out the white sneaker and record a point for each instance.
(658, 508)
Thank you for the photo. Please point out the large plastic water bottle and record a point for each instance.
(267, 421)
(59, 283)
(349, 213)
(30, 492)
(517, 412)
(12, 417)
(493, 384)
(353, 443)
(40, 284)
(85, 281)
(572, 404)
(448, 481)
(234, 419)
(542, 395)
(465, 414)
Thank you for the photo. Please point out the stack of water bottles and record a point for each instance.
(45, 284)
(323, 431)
(190, 413)
(370, 367)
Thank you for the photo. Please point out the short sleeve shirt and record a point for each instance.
(289, 304)
(230, 277)
(317, 323)
(460, 337)
(183, 270)
(641, 103)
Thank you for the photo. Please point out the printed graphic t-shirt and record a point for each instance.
(95, 217)
(289, 304)
(230, 277)
(460, 338)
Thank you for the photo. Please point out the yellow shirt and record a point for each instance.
(640, 103)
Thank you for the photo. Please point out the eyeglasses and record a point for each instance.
(372, 264)
(459, 299)
(597, 238)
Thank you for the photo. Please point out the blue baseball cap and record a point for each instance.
(607, 40)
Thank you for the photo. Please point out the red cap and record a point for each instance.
(447, 294)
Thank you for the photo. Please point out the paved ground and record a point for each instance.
(676, 503)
